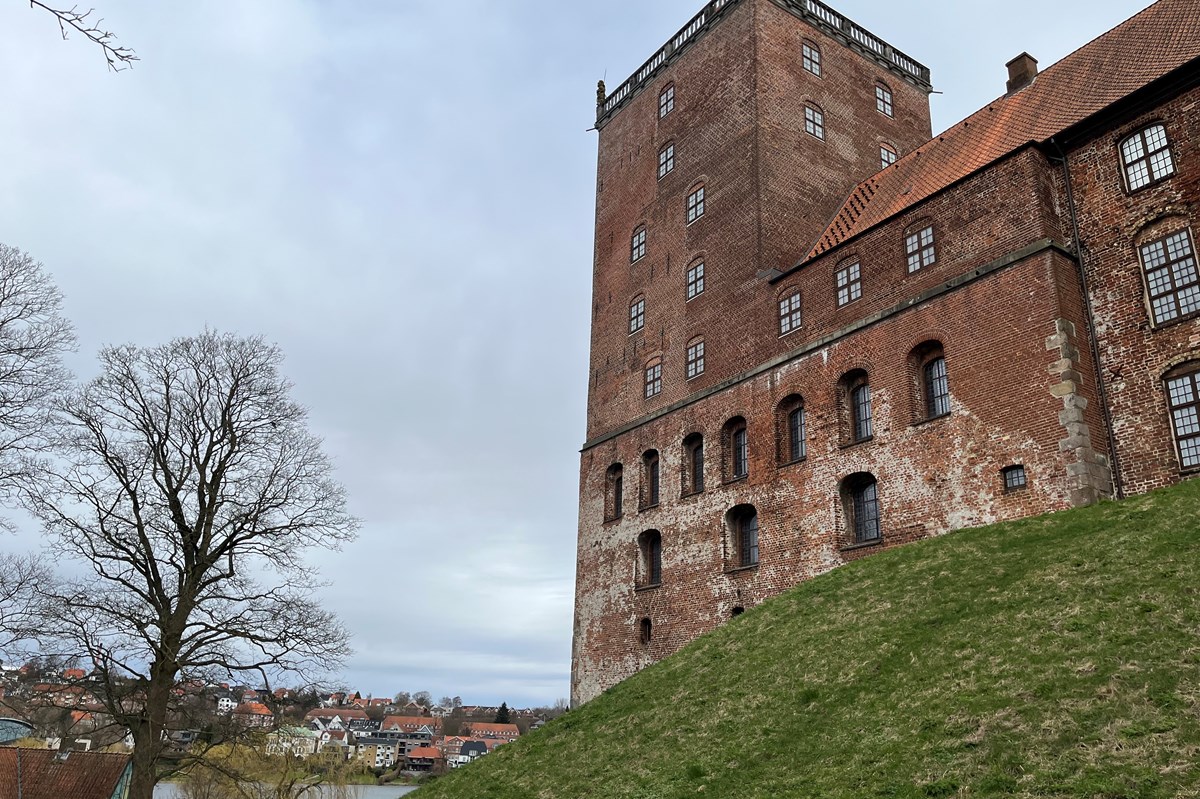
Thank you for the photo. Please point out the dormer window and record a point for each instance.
(1146, 157)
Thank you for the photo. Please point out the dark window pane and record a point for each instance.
(748, 539)
(860, 400)
(937, 389)
(866, 514)
(741, 453)
(796, 433)
(698, 468)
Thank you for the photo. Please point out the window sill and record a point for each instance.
(931, 419)
(878, 542)
(691, 494)
(796, 462)
(645, 508)
(694, 221)
(1156, 326)
(613, 520)
(733, 480)
(1017, 490)
(643, 588)
(740, 569)
(861, 442)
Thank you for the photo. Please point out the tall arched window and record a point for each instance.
(614, 489)
(637, 314)
(814, 120)
(693, 464)
(887, 155)
(651, 479)
(650, 559)
(736, 443)
(811, 55)
(637, 245)
(1146, 157)
(927, 362)
(860, 498)
(856, 389)
(791, 430)
(883, 99)
(789, 312)
(742, 525)
(1183, 399)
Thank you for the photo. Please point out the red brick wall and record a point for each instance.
(1134, 352)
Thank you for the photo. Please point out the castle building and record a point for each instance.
(817, 332)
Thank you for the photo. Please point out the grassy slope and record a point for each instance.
(1054, 657)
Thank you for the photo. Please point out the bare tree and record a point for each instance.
(188, 483)
(85, 22)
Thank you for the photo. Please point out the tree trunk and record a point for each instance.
(145, 763)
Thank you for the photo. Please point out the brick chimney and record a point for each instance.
(1021, 72)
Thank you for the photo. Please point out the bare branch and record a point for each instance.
(118, 58)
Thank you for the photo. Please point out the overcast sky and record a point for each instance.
(400, 194)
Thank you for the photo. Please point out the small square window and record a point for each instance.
(695, 360)
(812, 59)
(789, 314)
(1014, 478)
(814, 121)
(695, 205)
(887, 156)
(637, 315)
(666, 101)
(637, 248)
(653, 380)
(883, 99)
(849, 284)
(918, 246)
(666, 160)
(695, 280)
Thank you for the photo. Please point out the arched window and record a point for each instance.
(645, 631)
(1183, 399)
(653, 378)
(1146, 157)
(860, 499)
(789, 313)
(637, 245)
(651, 479)
(883, 99)
(928, 363)
(695, 203)
(1169, 264)
(919, 247)
(666, 100)
(614, 489)
(856, 389)
(650, 559)
(666, 159)
(812, 58)
(695, 280)
(791, 430)
(887, 155)
(693, 464)
(814, 120)
(737, 449)
(742, 525)
(695, 358)
(637, 314)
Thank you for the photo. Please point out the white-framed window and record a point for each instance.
(812, 58)
(919, 248)
(849, 283)
(887, 156)
(666, 160)
(883, 99)
(666, 101)
(789, 313)
(695, 280)
(1146, 157)
(814, 121)
(654, 379)
(1171, 277)
(695, 204)
(637, 315)
(637, 245)
(695, 359)
(1183, 396)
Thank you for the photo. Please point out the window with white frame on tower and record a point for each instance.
(695, 204)
(695, 280)
(814, 121)
(883, 99)
(849, 283)
(812, 58)
(919, 248)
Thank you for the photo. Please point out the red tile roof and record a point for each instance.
(412, 722)
(425, 752)
(480, 727)
(252, 709)
(329, 712)
(1140, 50)
(82, 775)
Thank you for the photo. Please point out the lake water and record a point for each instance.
(166, 790)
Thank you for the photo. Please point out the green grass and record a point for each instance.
(1052, 657)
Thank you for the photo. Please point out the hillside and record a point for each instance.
(1053, 657)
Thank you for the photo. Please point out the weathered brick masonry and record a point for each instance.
(1049, 359)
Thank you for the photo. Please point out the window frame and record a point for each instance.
(1186, 439)
(695, 280)
(744, 538)
(637, 314)
(791, 315)
(666, 160)
(650, 555)
(1147, 157)
(652, 480)
(810, 58)
(886, 150)
(1008, 477)
(666, 100)
(692, 473)
(814, 121)
(653, 384)
(848, 282)
(1167, 266)
(860, 411)
(920, 246)
(735, 443)
(865, 515)
(695, 205)
(637, 244)
(614, 489)
(695, 358)
(935, 387)
(885, 100)
(797, 434)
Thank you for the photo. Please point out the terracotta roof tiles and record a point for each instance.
(1142, 49)
(81, 775)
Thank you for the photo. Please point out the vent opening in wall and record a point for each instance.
(737, 611)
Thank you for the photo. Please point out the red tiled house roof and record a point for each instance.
(81, 775)
(1142, 49)
(346, 713)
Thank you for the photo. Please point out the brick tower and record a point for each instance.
(720, 162)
